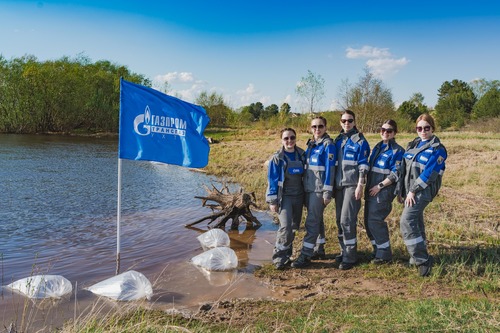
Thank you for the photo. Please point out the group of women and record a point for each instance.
(342, 169)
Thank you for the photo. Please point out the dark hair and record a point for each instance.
(287, 129)
(392, 123)
(428, 118)
(349, 112)
(323, 119)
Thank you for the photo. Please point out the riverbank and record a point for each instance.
(462, 293)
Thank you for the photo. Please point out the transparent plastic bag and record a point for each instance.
(219, 279)
(128, 286)
(217, 259)
(214, 238)
(43, 286)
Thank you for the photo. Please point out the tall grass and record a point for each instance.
(462, 226)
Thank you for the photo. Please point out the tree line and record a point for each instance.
(77, 95)
(64, 95)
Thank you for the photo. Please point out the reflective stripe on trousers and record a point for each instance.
(347, 209)
(411, 226)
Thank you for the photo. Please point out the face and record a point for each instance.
(424, 130)
(347, 122)
(318, 128)
(387, 132)
(288, 139)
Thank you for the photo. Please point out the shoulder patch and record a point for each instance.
(330, 157)
(440, 160)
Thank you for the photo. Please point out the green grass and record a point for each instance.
(462, 223)
(355, 314)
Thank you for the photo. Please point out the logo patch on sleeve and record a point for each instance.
(440, 160)
(330, 157)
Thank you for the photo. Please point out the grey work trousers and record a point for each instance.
(413, 230)
(376, 211)
(314, 221)
(346, 211)
(290, 217)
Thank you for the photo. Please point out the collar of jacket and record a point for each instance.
(353, 134)
(325, 139)
(298, 151)
(433, 142)
(390, 144)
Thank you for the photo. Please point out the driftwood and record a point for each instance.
(227, 206)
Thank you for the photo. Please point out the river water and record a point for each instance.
(58, 209)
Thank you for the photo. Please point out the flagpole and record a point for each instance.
(118, 215)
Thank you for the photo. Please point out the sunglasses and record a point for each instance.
(386, 130)
(425, 128)
(349, 120)
(318, 126)
(291, 138)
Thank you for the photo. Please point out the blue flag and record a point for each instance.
(162, 128)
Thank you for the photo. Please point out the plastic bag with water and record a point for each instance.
(43, 286)
(214, 238)
(128, 286)
(217, 259)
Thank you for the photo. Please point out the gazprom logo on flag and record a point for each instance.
(147, 123)
(162, 128)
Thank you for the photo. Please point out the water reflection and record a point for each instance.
(58, 199)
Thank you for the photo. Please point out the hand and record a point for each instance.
(358, 192)
(400, 199)
(374, 190)
(273, 208)
(326, 201)
(410, 199)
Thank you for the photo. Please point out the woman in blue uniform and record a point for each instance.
(350, 177)
(285, 194)
(384, 163)
(421, 174)
(318, 185)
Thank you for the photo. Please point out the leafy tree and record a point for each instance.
(455, 103)
(61, 95)
(217, 110)
(369, 99)
(312, 89)
(414, 107)
(270, 111)
(488, 105)
(482, 86)
(285, 108)
(245, 116)
(256, 110)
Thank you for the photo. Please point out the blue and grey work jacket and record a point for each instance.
(422, 168)
(283, 172)
(352, 151)
(321, 158)
(385, 161)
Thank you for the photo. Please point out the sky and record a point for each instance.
(258, 51)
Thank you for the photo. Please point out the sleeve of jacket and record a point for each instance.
(273, 179)
(396, 159)
(363, 165)
(432, 169)
(330, 161)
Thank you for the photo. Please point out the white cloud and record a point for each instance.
(367, 52)
(176, 77)
(248, 95)
(386, 66)
(380, 61)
